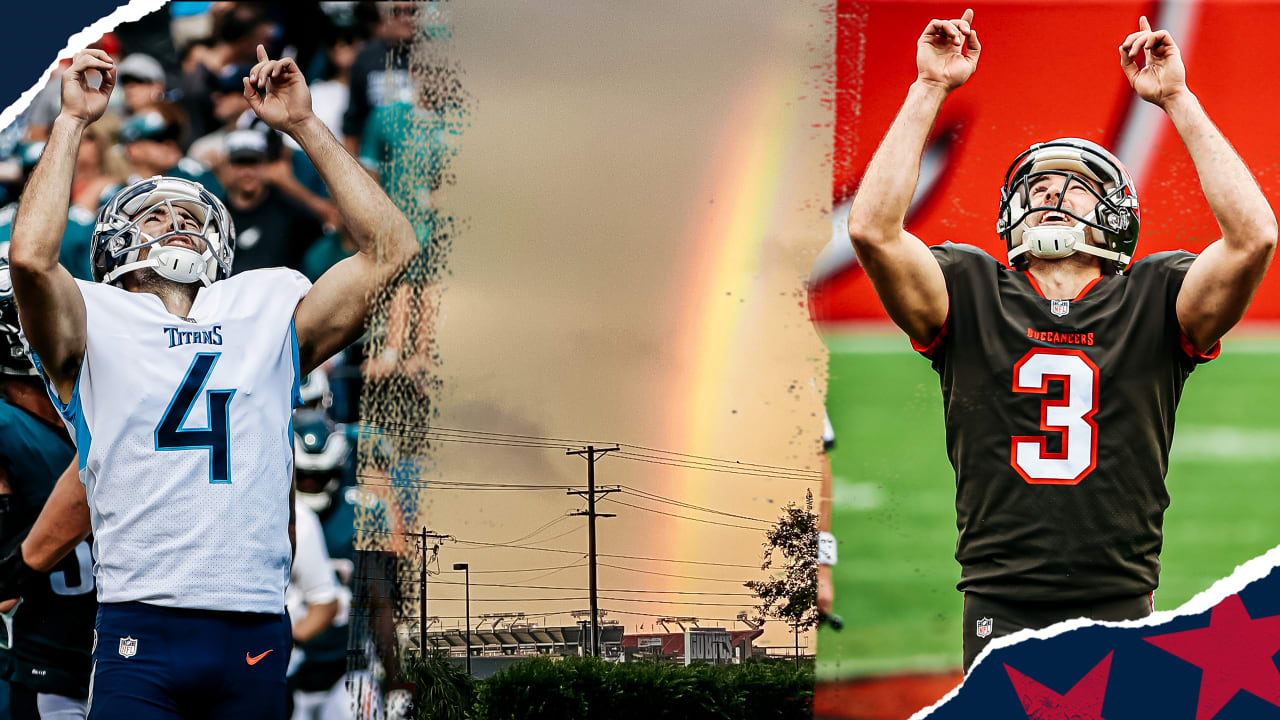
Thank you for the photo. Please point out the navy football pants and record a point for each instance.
(158, 663)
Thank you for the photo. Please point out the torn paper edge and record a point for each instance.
(134, 10)
(1251, 571)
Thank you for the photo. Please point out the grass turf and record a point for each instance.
(894, 497)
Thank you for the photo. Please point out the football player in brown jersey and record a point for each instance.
(1060, 371)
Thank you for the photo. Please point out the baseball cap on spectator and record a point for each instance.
(29, 154)
(140, 68)
(246, 146)
(231, 79)
(147, 126)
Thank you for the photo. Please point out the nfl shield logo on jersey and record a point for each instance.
(1059, 307)
(128, 647)
(984, 628)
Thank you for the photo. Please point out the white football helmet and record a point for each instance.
(117, 240)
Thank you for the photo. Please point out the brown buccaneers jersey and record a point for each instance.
(1059, 418)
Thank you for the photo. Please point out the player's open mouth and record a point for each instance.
(1056, 218)
(180, 241)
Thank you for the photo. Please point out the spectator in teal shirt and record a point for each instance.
(74, 255)
(410, 145)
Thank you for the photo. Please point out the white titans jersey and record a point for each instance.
(183, 430)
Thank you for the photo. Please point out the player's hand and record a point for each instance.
(947, 52)
(1161, 76)
(80, 100)
(15, 573)
(277, 93)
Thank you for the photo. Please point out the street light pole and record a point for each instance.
(797, 626)
(467, 584)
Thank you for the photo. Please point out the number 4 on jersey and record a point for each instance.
(1071, 415)
(170, 435)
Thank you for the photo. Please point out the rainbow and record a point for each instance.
(724, 285)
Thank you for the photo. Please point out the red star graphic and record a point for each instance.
(1082, 702)
(1234, 652)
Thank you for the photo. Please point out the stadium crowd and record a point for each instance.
(180, 111)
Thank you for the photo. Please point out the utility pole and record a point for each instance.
(422, 589)
(592, 454)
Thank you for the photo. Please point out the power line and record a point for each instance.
(670, 602)
(679, 464)
(695, 462)
(553, 537)
(356, 599)
(662, 615)
(486, 432)
(539, 577)
(427, 436)
(559, 587)
(557, 567)
(711, 459)
(426, 432)
(686, 517)
(526, 536)
(523, 585)
(460, 485)
(659, 498)
(625, 557)
(728, 466)
(684, 577)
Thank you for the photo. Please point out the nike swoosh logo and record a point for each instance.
(253, 659)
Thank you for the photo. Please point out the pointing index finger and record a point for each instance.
(1142, 23)
(262, 52)
(968, 15)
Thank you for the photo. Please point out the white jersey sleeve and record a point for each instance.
(183, 431)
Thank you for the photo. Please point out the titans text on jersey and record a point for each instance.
(178, 336)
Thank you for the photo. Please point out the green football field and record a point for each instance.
(894, 493)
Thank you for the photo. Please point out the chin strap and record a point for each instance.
(148, 263)
(1051, 242)
(1104, 253)
(179, 264)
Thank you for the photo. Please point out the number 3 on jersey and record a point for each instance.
(170, 435)
(1071, 416)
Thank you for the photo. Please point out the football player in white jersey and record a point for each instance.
(161, 370)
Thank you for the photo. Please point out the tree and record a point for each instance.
(793, 597)
(441, 689)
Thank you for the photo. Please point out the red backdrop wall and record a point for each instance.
(1050, 70)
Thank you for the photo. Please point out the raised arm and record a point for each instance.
(49, 303)
(905, 275)
(332, 315)
(1222, 280)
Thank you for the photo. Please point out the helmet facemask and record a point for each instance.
(1112, 225)
(119, 239)
(14, 359)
